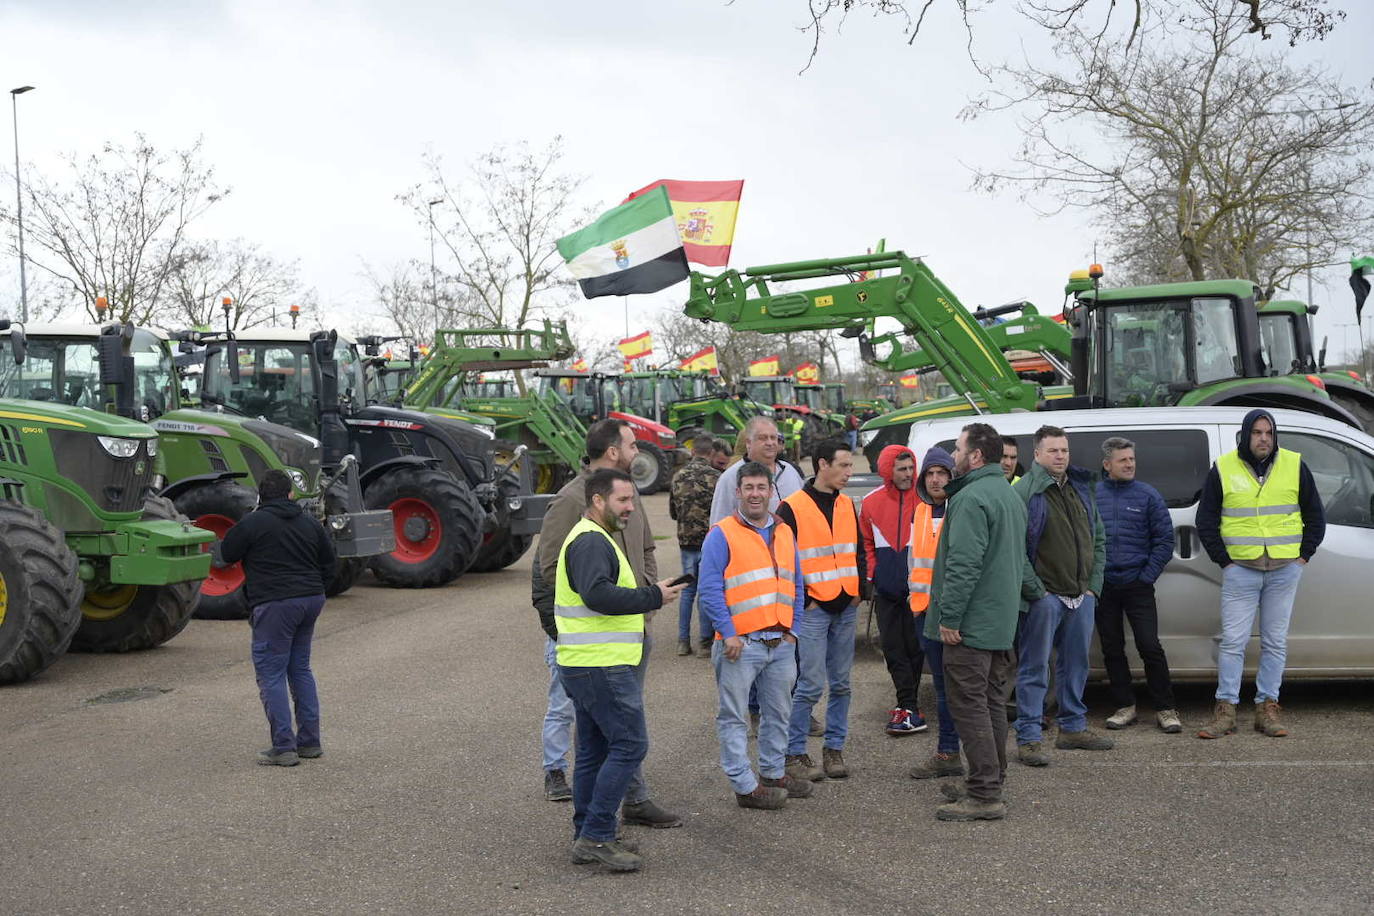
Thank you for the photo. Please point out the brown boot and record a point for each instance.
(1267, 719)
(796, 788)
(832, 761)
(799, 766)
(764, 798)
(1223, 721)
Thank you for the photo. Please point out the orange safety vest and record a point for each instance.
(925, 537)
(829, 558)
(760, 579)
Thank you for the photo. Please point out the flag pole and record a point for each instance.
(625, 301)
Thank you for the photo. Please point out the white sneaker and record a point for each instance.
(1122, 717)
(1169, 721)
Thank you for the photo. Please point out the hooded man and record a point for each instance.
(1261, 520)
(885, 526)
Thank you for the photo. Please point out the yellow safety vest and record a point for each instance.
(1260, 517)
(588, 638)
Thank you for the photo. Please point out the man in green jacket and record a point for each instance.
(980, 568)
(1066, 546)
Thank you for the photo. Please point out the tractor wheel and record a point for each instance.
(217, 507)
(438, 523)
(814, 432)
(500, 548)
(346, 572)
(687, 436)
(651, 470)
(1359, 408)
(40, 593)
(549, 478)
(121, 618)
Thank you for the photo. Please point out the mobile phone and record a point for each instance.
(687, 579)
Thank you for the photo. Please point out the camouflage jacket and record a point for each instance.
(689, 502)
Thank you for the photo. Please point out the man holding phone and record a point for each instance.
(751, 587)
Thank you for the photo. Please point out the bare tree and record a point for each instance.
(1200, 159)
(261, 289)
(405, 293)
(114, 224)
(497, 227)
(1094, 23)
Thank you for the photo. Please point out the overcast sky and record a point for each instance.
(317, 115)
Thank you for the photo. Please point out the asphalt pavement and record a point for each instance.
(128, 785)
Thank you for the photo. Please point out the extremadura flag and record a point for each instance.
(632, 249)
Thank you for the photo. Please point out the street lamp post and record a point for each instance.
(19, 204)
(433, 271)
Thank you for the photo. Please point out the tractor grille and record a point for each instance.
(213, 454)
(11, 446)
(113, 484)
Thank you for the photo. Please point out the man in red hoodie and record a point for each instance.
(885, 526)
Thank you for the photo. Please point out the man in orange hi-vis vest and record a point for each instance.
(936, 472)
(751, 588)
(826, 524)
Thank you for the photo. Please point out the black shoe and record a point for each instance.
(611, 854)
(556, 786)
(309, 753)
(648, 814)
(270, 758)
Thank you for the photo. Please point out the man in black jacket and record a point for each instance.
(287, 559)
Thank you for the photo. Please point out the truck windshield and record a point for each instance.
(1277, 342)
(65, 369)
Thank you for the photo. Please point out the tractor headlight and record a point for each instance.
(338, 522)
(298, 480)
(119, 448)
(152, 448)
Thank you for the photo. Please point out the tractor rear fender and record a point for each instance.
(173, 490)
(1280, 396)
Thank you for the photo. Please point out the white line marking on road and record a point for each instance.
(1231, 763)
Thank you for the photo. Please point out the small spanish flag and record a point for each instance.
(629, 365)
(769, 365)
(910, 381)
(807, 373)
(705, 212)
(637, 346)
(702, 360)
(579, 365)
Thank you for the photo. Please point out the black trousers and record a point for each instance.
(1136, 604)
(901, 646)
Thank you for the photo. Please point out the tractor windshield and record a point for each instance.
(65, 369)
(276, 382)
(811, 397)
(1278, 342)
(1140, 348)
(834, 398)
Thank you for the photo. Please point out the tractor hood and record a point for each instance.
(64, 416)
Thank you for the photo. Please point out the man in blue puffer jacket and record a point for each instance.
(1140, 540)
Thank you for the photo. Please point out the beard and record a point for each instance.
(611, 521)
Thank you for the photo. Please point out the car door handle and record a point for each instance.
(1183, 541)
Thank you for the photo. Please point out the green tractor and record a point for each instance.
(794, 403)
(212, 457)
(454, 378)
(90, 557)
(455, 508)
(1183, 343)
(1286, 341)
(695, 403)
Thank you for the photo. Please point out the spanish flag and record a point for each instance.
(635, 347)
(702, 360)
(580, 365)
(807, 373)
(910, 381)
(705, 212)
(769, 365)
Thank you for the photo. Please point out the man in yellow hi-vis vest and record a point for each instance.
(599, 613)
(1260, 519)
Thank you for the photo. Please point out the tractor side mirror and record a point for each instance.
(231, 357)
(19, 345)
(109, 351)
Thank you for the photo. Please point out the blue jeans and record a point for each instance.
(1244, 592)
(825, 643)
(282, 631)
(1052, 624)
(935, 661)
(772, 671)
(558, 720)
(691, 565)
(612, 741)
